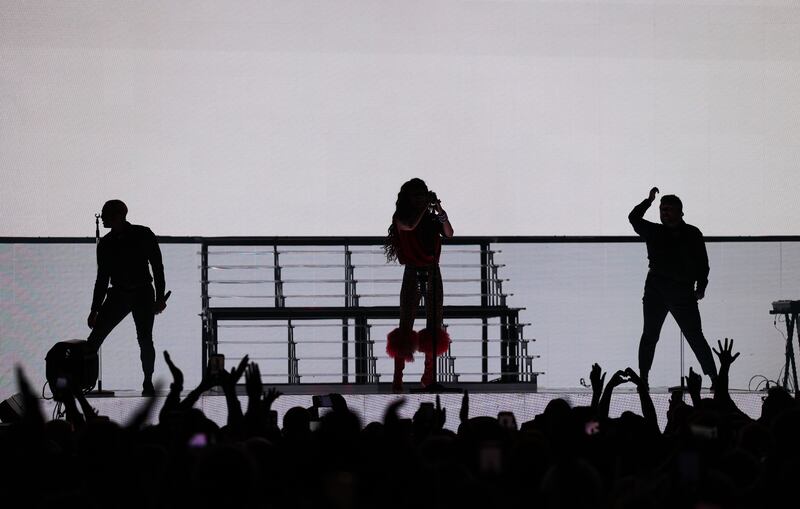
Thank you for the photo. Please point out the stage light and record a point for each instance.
(72, 361)
(11, 410)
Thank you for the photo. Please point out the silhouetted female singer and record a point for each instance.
(415, 240)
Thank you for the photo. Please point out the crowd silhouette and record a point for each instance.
(710, 454)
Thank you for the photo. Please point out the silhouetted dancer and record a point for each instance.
(677, 279)
(123, 255)
(415, 240)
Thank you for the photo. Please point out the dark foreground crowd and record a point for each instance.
(710, 454)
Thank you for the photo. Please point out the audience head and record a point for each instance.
(776, 401)
(296, 422)
(718, 456)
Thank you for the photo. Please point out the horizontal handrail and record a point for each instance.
(374, 241)
(341, 296)
(336, 358)
(248, 313)
(360, 280)
(335, 251)
(444, 250)
(387, 374)
(352, 341)
(238, 266)
(263, 281)
(338, 265)
(332, 358)
(461, 265)
(349, 325)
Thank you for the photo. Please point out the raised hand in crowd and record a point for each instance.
(598, 378)
(254, 386)
(256, 416)
(428, 419)
(694, 383)
(463, 414)
(231, 452)
(228, 381)
(272, 416)
(177, 374)
(174, 396)
(390, 416)
(677, 408)
(207, 382)
(632, 376)
(141, 415)
(271, 395)
(338, 403)
(439, 414)
(725, 354)
(648, 408)
(616, 380)
(726, 358)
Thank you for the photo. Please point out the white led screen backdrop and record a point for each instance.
(304, 117)
(582, 303)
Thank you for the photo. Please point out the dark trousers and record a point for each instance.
(117, 305)
(415, 282)
(661, 296)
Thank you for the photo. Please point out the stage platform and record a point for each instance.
(370, 401)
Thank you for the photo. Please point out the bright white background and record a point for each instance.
(304, 117)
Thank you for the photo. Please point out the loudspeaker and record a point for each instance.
(11, 410)
(73, 360)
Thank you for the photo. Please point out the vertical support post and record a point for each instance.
(484, 252)
(484, 349)
(291, 357)
(504, 348)
(513, 335)
(280, 300)
(491, 282)
(497, 285)
(348, 296)
(446, 365)
(361, 349)
(500, 293)
(204, 307)
(212, 342)
(373, 369)
(526, 371)
(345, 349)
(348, 302)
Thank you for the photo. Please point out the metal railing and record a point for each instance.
(773, 258)
(261, 268)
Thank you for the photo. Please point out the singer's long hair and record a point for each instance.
(403, 211)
